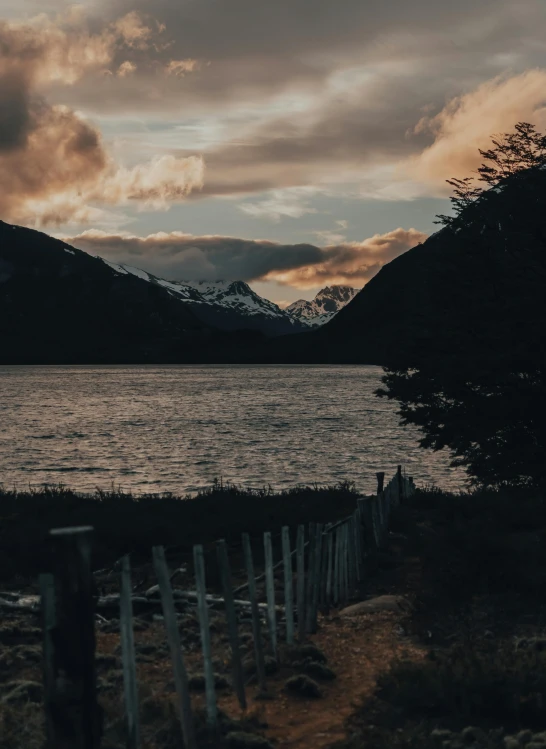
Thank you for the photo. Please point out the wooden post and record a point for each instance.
(337, 567)
(316, 578)
(231, 617)
(300, 593)
(380, 481)
(288, 596)
(351, 553)
(357, 540)
(329, 591)
(48, 616)
(400, 486)
(345, 548)
(128, 656)
(73, 716)
(256, 624)
(324, 568)
(310, 568)
(270, 591)
(173, 637)
(210, 685)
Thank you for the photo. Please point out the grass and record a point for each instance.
(125, 523)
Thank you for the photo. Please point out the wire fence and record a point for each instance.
(322, 565)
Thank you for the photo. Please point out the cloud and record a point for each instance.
(181, 256)
(467, 123)
(54, 166)
(287, 202)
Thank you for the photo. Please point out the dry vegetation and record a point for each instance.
(465, 667)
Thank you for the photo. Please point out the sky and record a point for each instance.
(291, 144)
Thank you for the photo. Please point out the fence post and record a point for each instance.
(316, 578)
(270, 592)
(300, 593)
(357, 540)
(330, 569)
(48, 616)
(231, 616)
(380, 481)
(210, 685)
(173, 637)
(400, 487)
(288, 596)
(256, 626)
(345, 563)
(73, 716)
(128, 656)
(324, 567)
(337, 567)
(310, 568)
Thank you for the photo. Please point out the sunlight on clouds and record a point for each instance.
(467, 122)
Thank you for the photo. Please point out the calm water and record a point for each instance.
(171, 428)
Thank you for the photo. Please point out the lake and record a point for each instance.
(177, 428)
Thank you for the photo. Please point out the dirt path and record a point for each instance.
(358, 651)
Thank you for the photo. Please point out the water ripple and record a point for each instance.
(177, 428)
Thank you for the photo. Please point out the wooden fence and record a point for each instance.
(323, 566)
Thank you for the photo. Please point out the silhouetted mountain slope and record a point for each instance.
(483, 280)
(59, 304)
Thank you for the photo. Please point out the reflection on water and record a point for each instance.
(171, 428)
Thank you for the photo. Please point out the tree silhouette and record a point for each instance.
(475, 381)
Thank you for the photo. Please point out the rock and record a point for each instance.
(271, 665)
(303, 686)
(244, 740)
(315, 669)
(381, 603)
(306, 652)
(196, 682)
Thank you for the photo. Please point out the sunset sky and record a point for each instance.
(289, 143)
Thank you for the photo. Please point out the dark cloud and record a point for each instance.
(184, 256)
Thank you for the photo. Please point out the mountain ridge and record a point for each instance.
(327, 303)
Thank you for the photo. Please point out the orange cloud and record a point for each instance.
(176, 255)
(54, 166)
(467, 123)
(353, 263)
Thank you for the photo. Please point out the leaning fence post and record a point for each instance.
(316, 578)
(270, 592)
(256, 626)
(337, 567)
(173, 637)
(357, 540)
(300, 591)
(323, 567)
(210, 685)
(288, 601)
(48, 616)
(128, 656)
(231, 616)
(345, 567)
(73, 716)
(310, 567)
(330, 568)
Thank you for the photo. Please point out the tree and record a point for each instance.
(476, 382)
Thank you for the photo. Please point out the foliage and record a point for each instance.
(474, 381)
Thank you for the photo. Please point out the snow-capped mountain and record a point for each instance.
(323, 307)
(228, 305)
